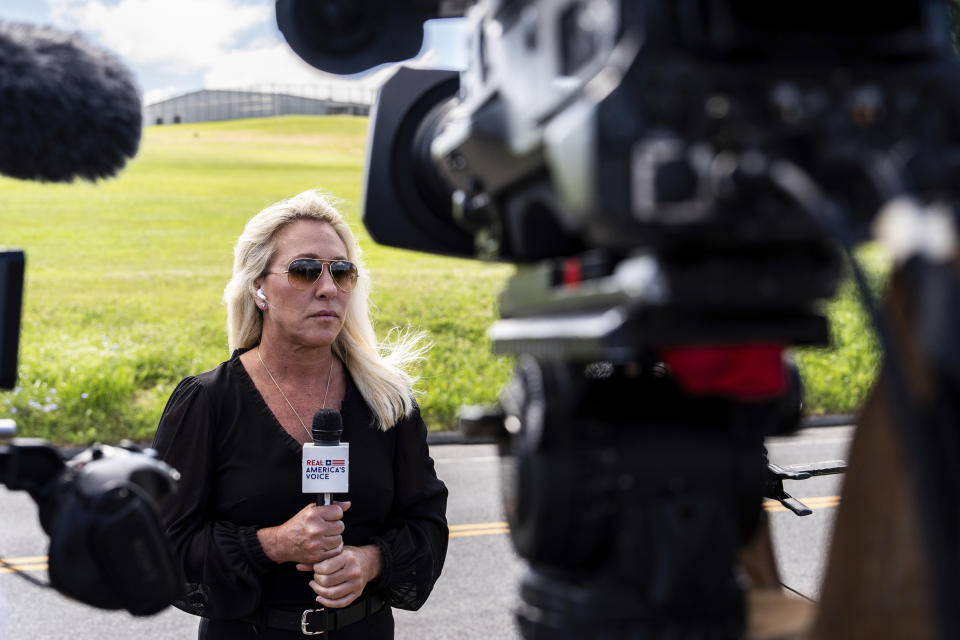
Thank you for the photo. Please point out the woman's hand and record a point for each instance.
(311, 536)
(340, 580)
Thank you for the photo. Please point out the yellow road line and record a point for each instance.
(39, 563)
(478, 525)
(480, 532)
(821, 502)
(25, 559)
(479, 529)
(40, 566)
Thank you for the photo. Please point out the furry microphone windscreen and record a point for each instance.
(67, 109)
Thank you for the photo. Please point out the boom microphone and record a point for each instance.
(67, 110)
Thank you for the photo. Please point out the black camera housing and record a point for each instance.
(342, 36)
(107, 546)
(11, 300)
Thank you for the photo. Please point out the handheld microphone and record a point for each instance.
(326, 462)
(69, 110)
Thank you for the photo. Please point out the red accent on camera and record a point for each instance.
(747, 371)
(572, 273)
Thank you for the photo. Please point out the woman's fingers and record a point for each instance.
(320, 557)
(332, 580)
(339, 581)
(333, 511)
(311, 536)
(337, 589)
(328, 519)
(316, 554)
(330, 553)
(323, 528)
(331, 566)
(336, 597)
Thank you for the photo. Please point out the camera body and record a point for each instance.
(582, 125)
(107, 546)
(662, 151)
(11, 300)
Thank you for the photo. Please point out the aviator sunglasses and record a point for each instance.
(304, 272)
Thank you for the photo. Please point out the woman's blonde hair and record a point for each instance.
(380, 371)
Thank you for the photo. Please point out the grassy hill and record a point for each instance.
(125, 278)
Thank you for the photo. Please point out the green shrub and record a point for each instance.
(838, 377)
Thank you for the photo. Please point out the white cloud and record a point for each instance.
(258, 66)
(277, 67)
(177, 46)
(183, 34)
(159, 95)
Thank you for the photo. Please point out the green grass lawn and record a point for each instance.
(125, 278)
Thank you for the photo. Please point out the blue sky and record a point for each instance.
(176, 46)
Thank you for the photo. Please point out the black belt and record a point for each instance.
(312, 622)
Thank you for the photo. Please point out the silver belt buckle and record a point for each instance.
(304, 623)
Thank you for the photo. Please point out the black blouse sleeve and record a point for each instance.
(414, 539)
(222, 561)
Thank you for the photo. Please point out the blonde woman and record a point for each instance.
(248, 539)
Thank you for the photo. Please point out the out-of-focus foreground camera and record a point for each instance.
(107, 546)
(677, 182)
(346, 37)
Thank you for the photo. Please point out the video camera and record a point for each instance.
(678, 182)
(107, 546)
(71, 110)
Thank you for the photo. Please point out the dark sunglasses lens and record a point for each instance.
(303, 273)
(344, 274)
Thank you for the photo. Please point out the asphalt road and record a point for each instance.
(475, 596)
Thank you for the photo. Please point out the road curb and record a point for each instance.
(837, 420)
(455, 437)
(808, 422)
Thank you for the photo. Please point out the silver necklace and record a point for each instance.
(322, 406)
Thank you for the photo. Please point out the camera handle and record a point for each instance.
(28, 464)
(777, 474)
(30, 467)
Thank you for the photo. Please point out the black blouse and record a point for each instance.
(241, 472)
